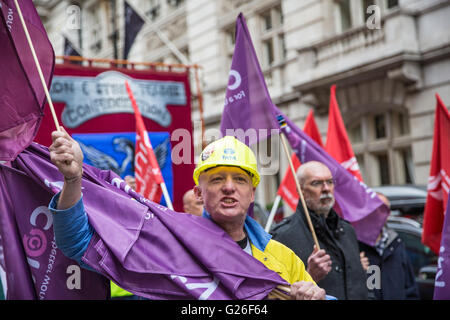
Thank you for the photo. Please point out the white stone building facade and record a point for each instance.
(388, 59)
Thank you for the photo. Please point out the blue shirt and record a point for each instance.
(72, 229)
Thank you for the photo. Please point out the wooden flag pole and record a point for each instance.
(166, 195)
(276, 203)
(299, 190)
(38, 66)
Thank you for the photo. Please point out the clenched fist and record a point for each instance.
(66, 155)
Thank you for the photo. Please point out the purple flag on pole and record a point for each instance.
(35, 267)
(247, 95)
(254, 109)
(22, 97)
(442, 281)
(359, 204)
(150, 250)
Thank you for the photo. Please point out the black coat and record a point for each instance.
(397, 274)
(347, 279)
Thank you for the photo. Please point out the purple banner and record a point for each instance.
(442, 281)
(35, 267)
(21, 91)
(150, 250)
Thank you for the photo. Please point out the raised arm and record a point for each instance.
(66, 155)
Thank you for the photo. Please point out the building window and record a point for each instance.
(154, 9)
(345, 15)
(382, 145)
(267, 21)
(400, 124)
(392, 4)
(383, 168)
(230, 40)
(269, 55)
(380, 126)
(96, 29)
(355, 133)
(272, 37)
(175, 3)
(407, 164)
(367, 4)
(353, 13)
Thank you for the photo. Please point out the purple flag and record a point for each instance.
(35, 267)
(246, 94)
(254, 109)
(359, 204)
(442, 282)
(150, 250)
(21, 92)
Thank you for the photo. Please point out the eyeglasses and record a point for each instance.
(322, 183)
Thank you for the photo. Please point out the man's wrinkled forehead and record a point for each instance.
(224, 170)
(316, 172)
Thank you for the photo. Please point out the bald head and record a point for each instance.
(311, 168)
(191, 204)
(316, 182)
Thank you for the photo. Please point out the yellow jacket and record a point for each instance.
(279, 258)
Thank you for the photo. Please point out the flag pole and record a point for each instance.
(272, 212)
(297, 184)
(38, 66)
(166, 195)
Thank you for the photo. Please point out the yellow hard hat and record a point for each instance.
(228, 151)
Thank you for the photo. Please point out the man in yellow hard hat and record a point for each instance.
(226, 177)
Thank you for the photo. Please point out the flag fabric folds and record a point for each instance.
(133, 24)
(21, 91)
(35, 267)
(442, 281)
(246, 94)
(288, 189)
(146, 169)
(150, 250)
(358, 203)
(439, 179)
(338, 143)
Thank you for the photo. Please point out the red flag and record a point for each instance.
(439, 180)
(287, 189)
(147, 173)
(338, 144)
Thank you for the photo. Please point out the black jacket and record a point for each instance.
(397, 275)
(347, 279)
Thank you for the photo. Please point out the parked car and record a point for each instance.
(406, 200)
(424, 261)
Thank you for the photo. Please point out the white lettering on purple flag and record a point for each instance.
(209, 286)
(439, 283)
(10, 19)
(237, 80)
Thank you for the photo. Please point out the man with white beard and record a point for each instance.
(336, 267)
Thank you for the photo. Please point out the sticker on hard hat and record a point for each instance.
(229, 151)
(207, 152)
(224, 157)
